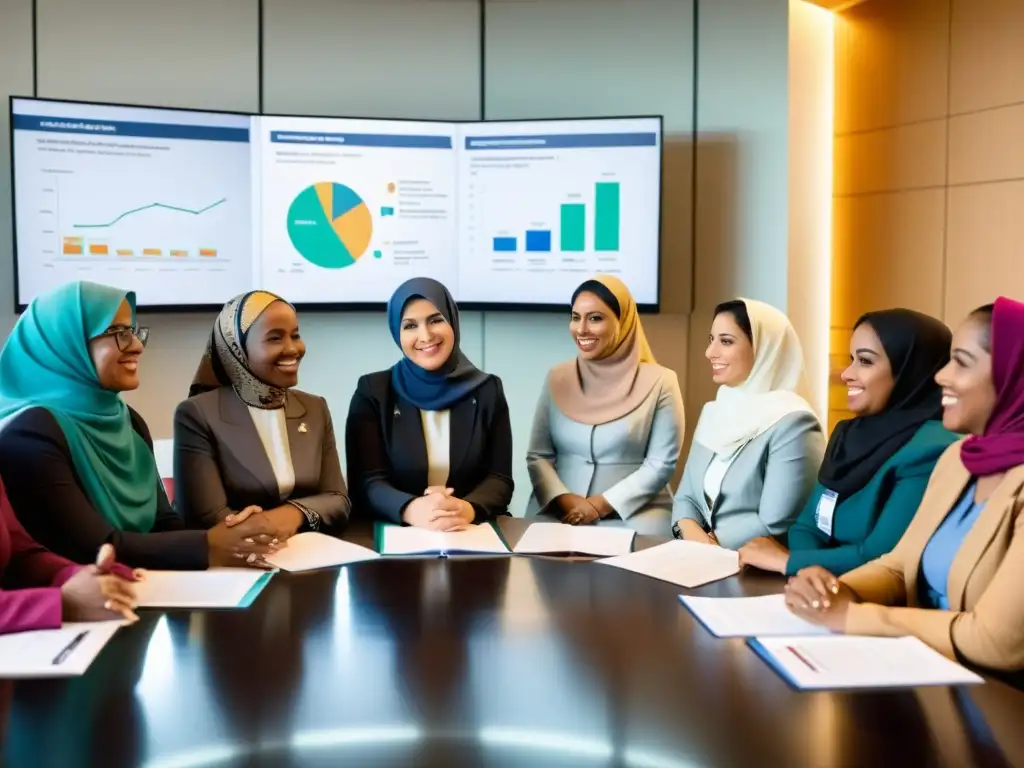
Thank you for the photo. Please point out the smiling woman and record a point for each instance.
(877, 464)
(250, 451)
(429, 442)
(609, 423)
(77, 461)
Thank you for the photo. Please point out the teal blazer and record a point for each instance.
(869, 523)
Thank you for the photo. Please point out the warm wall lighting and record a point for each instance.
(811, 127)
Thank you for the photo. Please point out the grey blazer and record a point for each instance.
(764, 488)
(629, 460)
(220, 465)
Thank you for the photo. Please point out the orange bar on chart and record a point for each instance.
(125, 252)
(72, 246)
(208, 252)
(99, 249)
(151, 252)
(179, 254)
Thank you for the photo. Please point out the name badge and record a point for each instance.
(826, 509)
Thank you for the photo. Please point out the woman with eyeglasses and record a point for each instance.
(77, 462)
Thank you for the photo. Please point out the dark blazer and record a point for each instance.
(220, 465)
(387, 453)
(49, 500)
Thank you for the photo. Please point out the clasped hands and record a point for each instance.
(252, 534)
(438, 509)
(817, 596)
(577, 510)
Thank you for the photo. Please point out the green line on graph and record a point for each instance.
(146, 208)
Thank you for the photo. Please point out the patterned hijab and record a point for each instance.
(226, 363)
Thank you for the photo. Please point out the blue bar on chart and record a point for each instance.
(505, 244)
(538, 240)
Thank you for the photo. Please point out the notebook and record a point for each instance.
(407, 540)
(212, 588)
(853, 661)
(311, 550)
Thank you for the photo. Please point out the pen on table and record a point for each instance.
(61, 657)
(802, 658)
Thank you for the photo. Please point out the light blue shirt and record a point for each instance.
(943, 546)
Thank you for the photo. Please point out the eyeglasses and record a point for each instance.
(125, 337)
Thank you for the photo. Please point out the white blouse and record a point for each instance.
(715, 474)
(437, 437)
(273, 431)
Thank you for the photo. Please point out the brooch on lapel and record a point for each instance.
(302, 428)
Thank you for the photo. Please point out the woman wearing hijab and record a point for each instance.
(758, 444)
(429, 443)
(609, 423)
(246, 440)
(955, 576)
(77, 462)
(877, 464)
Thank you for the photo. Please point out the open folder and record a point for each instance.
(311, 550)
(854, 661)
(406, 540)
(212, 588)
(684, 563)
(64, 652)
(748, 616)
(601, 541)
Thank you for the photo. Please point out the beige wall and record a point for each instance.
(929, 160)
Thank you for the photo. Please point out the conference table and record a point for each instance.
(466, 661)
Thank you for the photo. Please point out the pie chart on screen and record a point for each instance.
(330, 225)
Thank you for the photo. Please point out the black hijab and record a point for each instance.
(917, 347)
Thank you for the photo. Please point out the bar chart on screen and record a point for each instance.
(540, 213)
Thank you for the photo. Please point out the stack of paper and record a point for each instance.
(64, 652)
(312, 550)
(602, 541)
(213, 588)
(685, 563)
(749, 616)
(850, 661)
(406, 540)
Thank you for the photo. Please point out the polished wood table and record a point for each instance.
(493, 661)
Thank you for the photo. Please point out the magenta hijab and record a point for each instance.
(1001, 447)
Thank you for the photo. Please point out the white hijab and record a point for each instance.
(739, 414)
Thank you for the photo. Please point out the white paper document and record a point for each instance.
(64, 652)
(603, 541)
(685, 563)
(311, 550)
(212, 588)
(852, 661)
(749, 616)
(406, 540)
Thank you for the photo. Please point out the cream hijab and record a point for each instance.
(739, 414)
(603, 390)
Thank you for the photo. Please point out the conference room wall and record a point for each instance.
(929, 163)
(412, 58)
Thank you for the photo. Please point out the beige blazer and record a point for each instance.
(985, 625)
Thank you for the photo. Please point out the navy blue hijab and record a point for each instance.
(431, 390)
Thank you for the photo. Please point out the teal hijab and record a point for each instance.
(46, 363)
